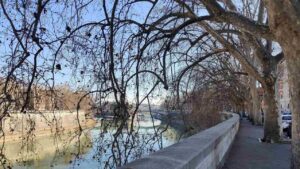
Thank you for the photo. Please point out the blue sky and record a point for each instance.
(55, 25)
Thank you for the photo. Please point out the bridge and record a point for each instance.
(232, 144)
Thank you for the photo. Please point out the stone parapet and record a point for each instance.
(205, 150)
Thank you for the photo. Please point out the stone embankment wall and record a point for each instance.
(41, 122)
(205, 150)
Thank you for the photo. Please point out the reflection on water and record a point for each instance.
(99, 147)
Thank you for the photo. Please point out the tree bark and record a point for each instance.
(294, 83)
(271, 128)
(255, 101)
(284, 21)
(250, 109)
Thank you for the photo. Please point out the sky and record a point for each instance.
(56, 25)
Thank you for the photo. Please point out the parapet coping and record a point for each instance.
(190, 151)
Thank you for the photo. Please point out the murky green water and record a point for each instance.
(98, 147)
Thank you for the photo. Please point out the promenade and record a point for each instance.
(248, 153)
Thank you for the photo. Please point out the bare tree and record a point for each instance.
(128, 56)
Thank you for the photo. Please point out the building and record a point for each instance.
(282, 88)
(41, 98)
(282, 93)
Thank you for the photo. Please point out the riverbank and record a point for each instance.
(21, 126)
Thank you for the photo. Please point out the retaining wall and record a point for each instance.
(205, 150)
(41, 122)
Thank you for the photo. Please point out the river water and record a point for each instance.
(98, 147)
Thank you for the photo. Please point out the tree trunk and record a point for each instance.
(271, 128)
(256, 118)
(293, 64)
(250, 108)
(255, 101)
(284, 21)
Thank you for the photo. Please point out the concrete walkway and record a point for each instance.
(248, 153)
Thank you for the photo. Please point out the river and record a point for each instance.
(97, 147)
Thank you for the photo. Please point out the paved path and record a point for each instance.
(248, 153)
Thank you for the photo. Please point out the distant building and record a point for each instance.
(282, 88)
(282, 92)
(42, 98)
